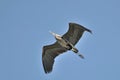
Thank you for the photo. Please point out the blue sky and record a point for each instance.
(24, 30)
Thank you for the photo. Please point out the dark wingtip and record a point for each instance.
(89, 30)
(47, 72)
(81, 26)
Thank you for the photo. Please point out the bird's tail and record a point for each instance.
(77, 52)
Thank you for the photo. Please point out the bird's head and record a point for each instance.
(57, 36)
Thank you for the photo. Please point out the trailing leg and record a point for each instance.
(77, 52)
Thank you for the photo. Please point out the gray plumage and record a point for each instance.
(63, 43)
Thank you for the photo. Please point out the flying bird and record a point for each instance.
(63, 43)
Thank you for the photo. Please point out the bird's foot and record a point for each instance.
(80, 55)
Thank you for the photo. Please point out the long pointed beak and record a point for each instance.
(52, 33)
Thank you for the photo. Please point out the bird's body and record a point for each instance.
(63, 43)
(66, 44)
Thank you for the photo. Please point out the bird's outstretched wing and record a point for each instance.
(48, 55)
(75, 32)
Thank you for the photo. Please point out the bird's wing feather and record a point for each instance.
(48, 55)
(75, 32)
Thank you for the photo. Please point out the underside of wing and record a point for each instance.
(48, 55)
(75, 32)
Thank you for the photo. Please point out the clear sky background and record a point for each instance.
(24, 30)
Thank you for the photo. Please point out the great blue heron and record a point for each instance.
(63, 44)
